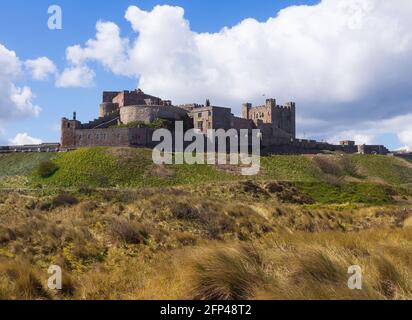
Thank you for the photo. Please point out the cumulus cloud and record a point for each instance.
(23, 139)
(367, 131)
(41, 68)
(76, 76)
(346, 63)
(108, 48)
(16, 102)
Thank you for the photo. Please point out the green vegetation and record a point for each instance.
(348, 193)
(325, 178)
(290, 168)
(157, 124)
(46, 169)
(390, 170)
(21, 164)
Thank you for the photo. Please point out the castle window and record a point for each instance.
(199, 115)
(200, 125)
(68, 125)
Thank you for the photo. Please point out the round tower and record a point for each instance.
(107, 108)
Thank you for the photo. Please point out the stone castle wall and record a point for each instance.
(111, 137)
(131, 114)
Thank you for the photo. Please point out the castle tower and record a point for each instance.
(292, 117)
(246, 110)
(107, 108)
(270, 103)
(68, 132)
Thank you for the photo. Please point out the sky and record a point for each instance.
(346, 63)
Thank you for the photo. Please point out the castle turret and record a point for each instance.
(246, 110)
(107, 108)
(68, 132)
(270, 103)
(292, 120)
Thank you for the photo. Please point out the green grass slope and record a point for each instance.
(126, 167)
(20, 164)
(326, 178)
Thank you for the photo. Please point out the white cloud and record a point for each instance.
(76, 76)
(41, 68)
(368, 131)
(23, 139)
(22, 99)
(405, 136)
(16, 102)
(346, 63)
(108, 48)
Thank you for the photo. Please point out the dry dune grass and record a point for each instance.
(301, 266)
(219, 243)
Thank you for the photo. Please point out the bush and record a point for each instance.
(21, 281)
(184, 211)
(227, 274)
(327, 166)
(6, 235)
(64, 199)
(47, 168)
(128, 231)
(349, 167)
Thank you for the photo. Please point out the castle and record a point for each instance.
(123, 115)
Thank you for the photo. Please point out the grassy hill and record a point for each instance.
(326, 178)
(124, 228)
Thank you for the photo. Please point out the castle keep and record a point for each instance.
(125, 118)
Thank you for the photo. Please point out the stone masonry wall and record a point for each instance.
(138, 137)
(150, 113)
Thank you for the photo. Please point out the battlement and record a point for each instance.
(272, 114)
(119, 99)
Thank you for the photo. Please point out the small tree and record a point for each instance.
(47, 169)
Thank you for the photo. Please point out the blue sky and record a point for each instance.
(23, 29)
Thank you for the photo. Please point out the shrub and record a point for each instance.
(327, 166)
(349, 167)
(47, 168)
(391, 280)
(227, 274)
(184, 211)
(321, 267)
(64, 199)
(128, 231)
(22, 281)
(186, 238)
(252, 188)
(6, 235)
